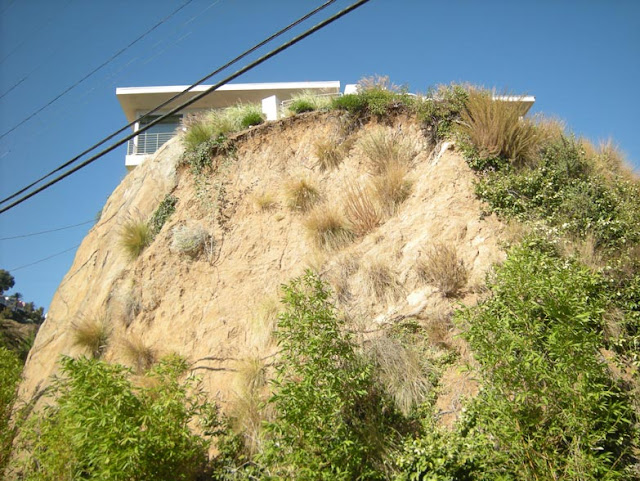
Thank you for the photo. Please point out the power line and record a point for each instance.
(46, 231)
(44, 259)
(103, 64)
(197, 97)
(178, 95)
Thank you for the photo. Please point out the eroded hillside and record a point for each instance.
(213, 309)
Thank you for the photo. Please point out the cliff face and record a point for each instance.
(208, 308)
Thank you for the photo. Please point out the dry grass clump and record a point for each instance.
(381, 280)
(442, 267)
(361, 209)
(496, 128)
(331, 152)
(438, 326)
(301, 194)
(138, 353)
(131, 306)
(606, 159)
(264, 322)
(189, 240)
(401, 371)
(135, 236)
(247, 413)
(384, 148)
(327, 228)
(92, 334)
(392, 188)
(263, 201)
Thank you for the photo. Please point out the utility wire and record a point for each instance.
(103, 64)
(45, 259)
(46, 231)
(197, 97)
(167, 102)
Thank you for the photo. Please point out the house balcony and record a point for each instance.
(143, 145)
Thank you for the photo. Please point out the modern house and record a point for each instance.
(274, 97)
(137, 101)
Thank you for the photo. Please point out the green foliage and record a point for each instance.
(10, 370)
(308, 102)
(6, 281)
(100, 427)
(549, 408)
(200, 158)
(562, 190)
(439, 110)
(162, 213)
(330, 421)
(250, 119)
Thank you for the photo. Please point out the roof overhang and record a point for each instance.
(527, 101)
(134, 100)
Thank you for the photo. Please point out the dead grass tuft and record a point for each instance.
(401, 371)
(92, 334)
(247, 413)
(301, 194)
(392, 188)
(327, 228)
(263, 201)
(138, 353)
(381, 281)
(264, 322)
(442, 267)
(496, 128)
(361, 209)
(384, 148)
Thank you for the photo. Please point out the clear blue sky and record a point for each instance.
(580, 58)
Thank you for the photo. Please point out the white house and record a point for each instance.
(137, 101)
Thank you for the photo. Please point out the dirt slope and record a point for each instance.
(207, 309)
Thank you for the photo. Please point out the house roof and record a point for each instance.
(134, 100)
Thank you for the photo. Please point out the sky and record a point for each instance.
(579, 58)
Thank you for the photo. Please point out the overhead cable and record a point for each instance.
(22, 236)
(44, 259)
(102, 65)
(167, 102)
(191, 101)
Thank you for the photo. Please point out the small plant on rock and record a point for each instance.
(92, 334)
(189, 240)
(301, 194)
(135, 236)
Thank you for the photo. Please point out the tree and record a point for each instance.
(6, 281)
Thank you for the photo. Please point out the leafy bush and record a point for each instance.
(252, 118)
(327, 228)
(562, 190)
(100, 427)
(549, 408)
(496, 128)
(440, 110)
(442, 267)
(376, 96)
(135, 236)
(10, 370)
(162, 213)
(189, 240)
(91, 333)
(301, 194)
(330, 421)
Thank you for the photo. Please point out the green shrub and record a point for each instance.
(162, 213)
(101, 427)
(308, 102)
(10, 370)
(250, 119)
(549, 408)
(440, 109)
(135, 236)
(561, 191)
(330, 421)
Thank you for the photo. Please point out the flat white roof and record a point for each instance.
(134, 100)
